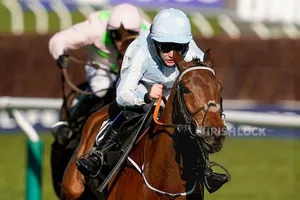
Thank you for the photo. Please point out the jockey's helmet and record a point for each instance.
(171, 26)
(127, 15)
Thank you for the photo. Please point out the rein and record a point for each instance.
(72, 85)
(179, 127)
(210, 106)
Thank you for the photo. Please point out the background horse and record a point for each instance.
(166, 162)
(62, 150)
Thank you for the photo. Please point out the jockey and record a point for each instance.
(146, 69)
(103, 32)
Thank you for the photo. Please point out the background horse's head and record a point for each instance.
(127, 41)
(198, 102)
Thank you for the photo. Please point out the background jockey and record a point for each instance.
(103, 32)
(147, 68)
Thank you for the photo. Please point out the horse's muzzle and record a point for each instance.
(213, 138)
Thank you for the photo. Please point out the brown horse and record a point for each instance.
(166, 162)
(61, 152)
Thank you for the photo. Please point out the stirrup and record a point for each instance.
(100, 159)
(214, 181)
(100, 155)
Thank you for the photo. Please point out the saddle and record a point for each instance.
(136, 124)
(126, 131)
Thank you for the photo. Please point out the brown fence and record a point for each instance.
(247, 68)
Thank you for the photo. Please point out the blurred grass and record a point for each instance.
(30, 20)
(53, 21)
(261, 169)
(13, 167)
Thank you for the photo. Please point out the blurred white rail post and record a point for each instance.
(261, 30)
(16, 14)
(228, 26)
(291, 30)
(62, 12)
(41, 16)
(202, 24)
(34, 158)
(86, 10)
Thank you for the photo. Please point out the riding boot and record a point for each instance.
(95, 160)
(61, 132)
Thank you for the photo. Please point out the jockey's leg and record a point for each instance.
(61, 130)
(73, 184)
(100, 82)
(95, 160)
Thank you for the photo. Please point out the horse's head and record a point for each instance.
(198, 101)
(121, 52)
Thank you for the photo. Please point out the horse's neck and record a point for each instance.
(162, 166)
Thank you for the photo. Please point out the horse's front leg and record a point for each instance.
(73, 184)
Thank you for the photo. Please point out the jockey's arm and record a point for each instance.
(77, 36)
(128, 91)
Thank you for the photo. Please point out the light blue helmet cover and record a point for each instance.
(171, 25)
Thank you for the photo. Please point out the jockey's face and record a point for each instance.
(167, 58)
(166, 51)
(118, 36)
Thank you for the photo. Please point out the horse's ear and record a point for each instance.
(178, 59)
(209, 58)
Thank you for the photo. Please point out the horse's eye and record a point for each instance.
(185, 90)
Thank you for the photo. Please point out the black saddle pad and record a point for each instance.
(126, 132)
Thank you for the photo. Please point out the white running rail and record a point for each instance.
(232, 116)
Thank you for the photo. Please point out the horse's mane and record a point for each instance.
(196, 62)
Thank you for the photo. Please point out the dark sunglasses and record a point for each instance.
(166, 47)
(117, 36)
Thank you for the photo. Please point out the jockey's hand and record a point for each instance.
(63, 61)
(156, 91)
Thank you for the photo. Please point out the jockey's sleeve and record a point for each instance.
(77, 36)
(133, 68)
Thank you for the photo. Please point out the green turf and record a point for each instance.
(53, 21)
(262, 169)
(13, 167)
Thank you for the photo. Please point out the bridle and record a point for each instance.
(197, 134)
(210, 106)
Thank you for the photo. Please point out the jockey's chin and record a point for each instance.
(168, 58)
